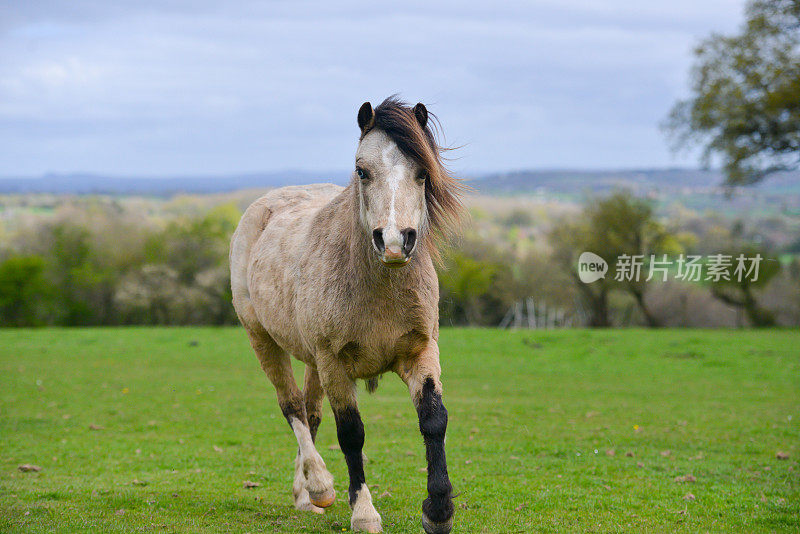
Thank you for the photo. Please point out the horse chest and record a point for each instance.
(371, 352)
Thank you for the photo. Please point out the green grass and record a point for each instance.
(533, 417)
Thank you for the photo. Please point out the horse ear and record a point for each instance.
(421, 112)
(366, 117)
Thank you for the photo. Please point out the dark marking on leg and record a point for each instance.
(350, 431)
(294, 407)
(313, 395)
(314, 420)
(438, 506)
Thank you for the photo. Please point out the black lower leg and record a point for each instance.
(350, 431)
(438, 507)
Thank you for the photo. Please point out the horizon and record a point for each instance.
(643, 180)
(305, 171)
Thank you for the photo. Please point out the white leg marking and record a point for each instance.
(318, 481)
(365, 518)
(301, 497)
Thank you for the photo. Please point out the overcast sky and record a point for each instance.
(174, 87)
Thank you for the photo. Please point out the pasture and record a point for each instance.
(158, 429)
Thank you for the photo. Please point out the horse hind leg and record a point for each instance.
(313, 396)
(318, 482)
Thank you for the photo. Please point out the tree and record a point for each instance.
(190, 257)
(748, 270)
(569, 239)
(476, 283)
(23, 291)
(84, 283)
(625, 226)
(616, 226)
(745, 103)
(191, 245)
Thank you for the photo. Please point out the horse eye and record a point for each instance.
(361, 173)
(423, 176)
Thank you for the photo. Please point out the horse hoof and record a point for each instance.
(322, 500)
(308, 507)
(367, 525)
(432, 527)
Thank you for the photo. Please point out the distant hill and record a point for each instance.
(87, 184)
(526, 181)
(640, 181)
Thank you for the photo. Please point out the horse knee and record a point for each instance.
(292, 407)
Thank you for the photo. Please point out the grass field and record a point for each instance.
(156, 429)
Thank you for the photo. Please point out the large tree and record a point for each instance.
(569, 239)
(613, 227)
(624, 225)
(745, 102)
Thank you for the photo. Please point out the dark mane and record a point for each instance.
(442, 190)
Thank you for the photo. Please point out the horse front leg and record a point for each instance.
(421, 374)
(341, 391)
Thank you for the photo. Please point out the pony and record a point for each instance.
(343, 279)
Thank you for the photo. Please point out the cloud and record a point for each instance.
(139, 88)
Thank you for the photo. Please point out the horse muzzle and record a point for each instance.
(397, 252)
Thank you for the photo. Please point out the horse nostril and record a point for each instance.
(409, 240)
(377, 239)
